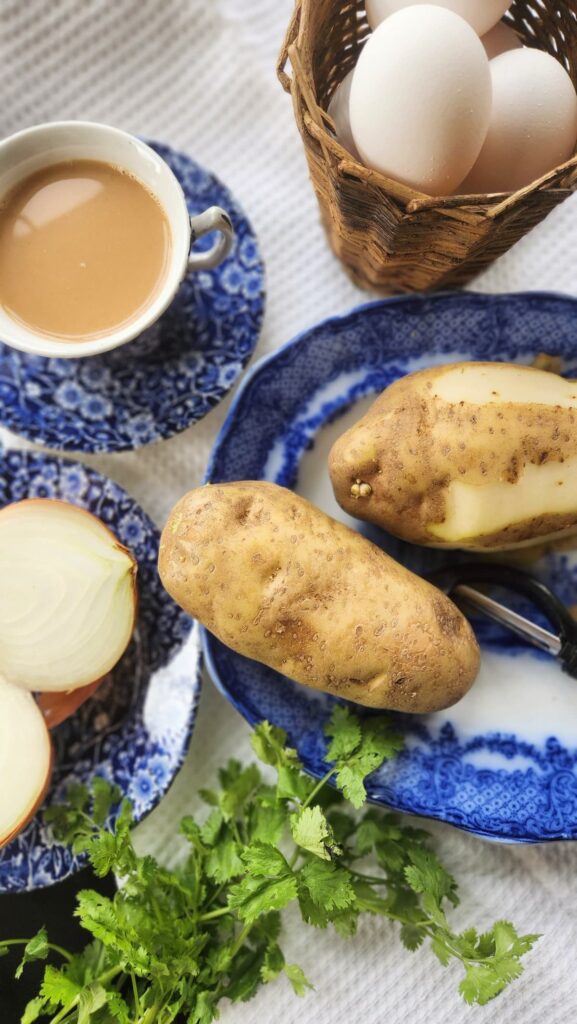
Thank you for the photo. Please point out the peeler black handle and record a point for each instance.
(470, 574)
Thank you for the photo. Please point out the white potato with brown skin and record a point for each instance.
(480, 456)
(279, 581)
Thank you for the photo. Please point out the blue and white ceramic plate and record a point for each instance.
(169, 377)
(503, 762)
(136, 729)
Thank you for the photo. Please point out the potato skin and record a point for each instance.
(279, 581)
(394, 468)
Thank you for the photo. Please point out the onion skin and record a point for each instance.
(57, 707)
(4, 840)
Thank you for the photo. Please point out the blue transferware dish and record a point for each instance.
(503, 762)
(169, 377)
(136, 729)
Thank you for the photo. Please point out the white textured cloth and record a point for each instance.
(200, 75)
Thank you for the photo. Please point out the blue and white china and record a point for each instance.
(81, 140)
(503, 762)
(172, 375)
(136, 729)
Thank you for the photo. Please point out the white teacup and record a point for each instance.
(43, 145)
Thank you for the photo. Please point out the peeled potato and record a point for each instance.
(480, 456)
(279, 581)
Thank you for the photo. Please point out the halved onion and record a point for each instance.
(67, 596)
(57, 707)
(25, 759)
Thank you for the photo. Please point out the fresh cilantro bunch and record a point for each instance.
(171, 945)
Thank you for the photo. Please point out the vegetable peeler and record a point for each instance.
(461, 583)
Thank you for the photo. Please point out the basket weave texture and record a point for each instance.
(390, 238)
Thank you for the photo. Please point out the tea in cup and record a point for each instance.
(95, 238)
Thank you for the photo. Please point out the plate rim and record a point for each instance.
(36, 434)
(193, 640)
(339, 320)
(419, 298)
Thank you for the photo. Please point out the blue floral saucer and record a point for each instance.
(169, 377)
(503, 762)
(136, 729)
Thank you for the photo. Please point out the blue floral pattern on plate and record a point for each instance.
(513, 782)
(169, 377)
(136, 729)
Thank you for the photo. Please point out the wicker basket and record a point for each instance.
(389, 237)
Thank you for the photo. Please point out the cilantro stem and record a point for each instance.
(241, 939)
(217, 894)
(320, 785)
(367, 878)
(151, 1013)
(214, 914)
(50, 945)
(135, 992)
(165, 919)
(294, 858)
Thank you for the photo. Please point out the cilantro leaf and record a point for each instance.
(223, 862)
(292, 784)
(118, 1007)
(298, 980)
(247, 977)
(377, 745)
(263, 860)
(212, 827)
(103, 853)
(35, 1008)
(483, 982)
(58, 988)
(204, 1010)
(105, 797)
(254, 896)
(412, 936)
(344, 728)
(269, 926)
(98, 915)
(427, 875)
(311, 913)
(237, 786)
(274, 963)
(345, 922)
(184, 939)
(375, 829)
(192, 832)
(312, 832)
(440, 949)
(36, 949)
(268, 824)
(507, 942)
(269, 745)
(328, 886)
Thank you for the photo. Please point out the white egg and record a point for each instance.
(533, 125)
(421, 99)
(339, 111)
(481, 14)
(500, 39)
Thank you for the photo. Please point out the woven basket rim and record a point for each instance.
(317, 121)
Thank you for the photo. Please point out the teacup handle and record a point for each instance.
(213, 219)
